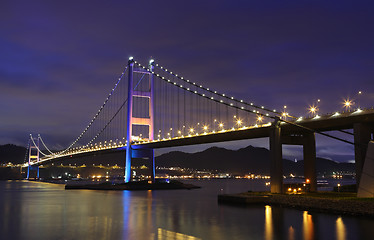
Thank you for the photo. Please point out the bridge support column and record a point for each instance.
(32, 168)
(28, 173)
(276, 168)
(128, 163)
(362, 135)
(309, 152)
(153, 165)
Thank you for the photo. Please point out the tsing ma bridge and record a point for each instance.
(151, 107)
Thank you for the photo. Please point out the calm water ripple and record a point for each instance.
(33, 210)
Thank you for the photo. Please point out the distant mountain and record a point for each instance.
(243, 161)
(12, 153)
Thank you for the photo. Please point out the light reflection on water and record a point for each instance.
(31, 210)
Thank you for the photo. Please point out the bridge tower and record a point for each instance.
(33, 155)
(134, 95)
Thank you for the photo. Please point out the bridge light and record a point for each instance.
(239, 122)
(131, 58)
(259, 118)
(313, 109)
(221, 125)
(348, 103)
(191, 130)
(205, 127)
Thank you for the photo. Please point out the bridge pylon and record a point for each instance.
(133, 95)
(33, 156)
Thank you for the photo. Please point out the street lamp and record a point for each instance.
(348, 103)
(313, 110)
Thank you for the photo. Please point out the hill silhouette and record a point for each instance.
(242, 161)
(12, 153)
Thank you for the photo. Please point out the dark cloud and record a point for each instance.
(61, 59)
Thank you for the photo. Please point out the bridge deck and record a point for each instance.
(330, 122)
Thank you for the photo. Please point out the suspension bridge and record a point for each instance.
(151, 107)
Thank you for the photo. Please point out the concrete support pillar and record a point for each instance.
(128, 173)
(153, 166)
(129, 121)
(28, 173)
(362, 135)
(309, 151)
(276, 168)
(366, 186)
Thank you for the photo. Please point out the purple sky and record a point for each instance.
(60, 59)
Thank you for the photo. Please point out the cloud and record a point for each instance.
(60, 60)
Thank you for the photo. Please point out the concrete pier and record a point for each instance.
(276, 168)
(362, 136)
(277, 139)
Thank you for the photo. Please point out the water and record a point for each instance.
(33, 210)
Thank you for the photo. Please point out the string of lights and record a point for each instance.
(27, 151)
(45, 145)
(215, 92)
(97, 114)
(37, 147)
(206, 96)
(107, 124)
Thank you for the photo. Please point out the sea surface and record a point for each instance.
(35, 210)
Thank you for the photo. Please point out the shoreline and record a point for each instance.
(141, 185)
(341, 203)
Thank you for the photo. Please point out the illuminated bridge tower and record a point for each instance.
(33, 156)
(142, 92)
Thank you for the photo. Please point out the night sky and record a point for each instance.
(60, 59)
